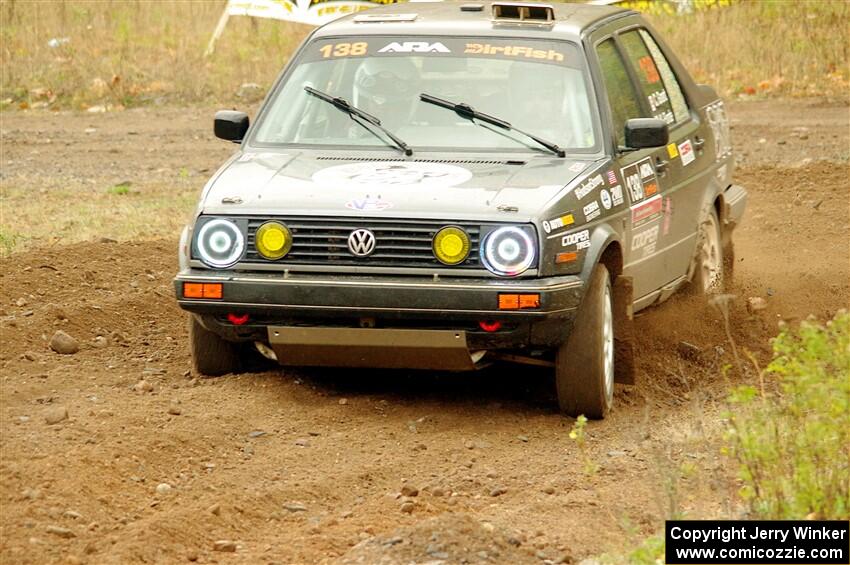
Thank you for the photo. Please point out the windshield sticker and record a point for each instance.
(558, 223)
(588, 186)
(686, 150)
(425, 175)
(559, 53)
(646, 212)
(591, 211)
(640, 179)
(647, 65)
(617, 195)
(415, 47)
(580, 239)
(368, 204)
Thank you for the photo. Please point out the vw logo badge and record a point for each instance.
(361, 243)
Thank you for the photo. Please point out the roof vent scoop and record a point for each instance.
(522, 12)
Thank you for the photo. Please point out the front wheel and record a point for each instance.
(710, 265)
(584, 364)
(211, 354)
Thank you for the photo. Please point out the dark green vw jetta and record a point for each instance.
(443, 185)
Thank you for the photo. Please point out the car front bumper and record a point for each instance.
(275, 300)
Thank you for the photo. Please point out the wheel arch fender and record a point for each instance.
(605, 247)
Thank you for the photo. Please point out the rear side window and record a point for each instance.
(674, 91)
(649, 77)
(621, 93)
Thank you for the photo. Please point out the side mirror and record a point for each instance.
(231, 125)
(646, 132)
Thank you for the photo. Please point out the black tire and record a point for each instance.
(710, 266)
(211, 354)
(584, 364)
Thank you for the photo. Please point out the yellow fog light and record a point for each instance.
(273, 240)
(451, 245)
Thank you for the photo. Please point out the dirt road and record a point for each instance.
(363, 466)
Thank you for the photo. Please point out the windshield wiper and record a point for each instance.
(355, 113)
(468, 112)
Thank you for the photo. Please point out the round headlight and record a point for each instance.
(451, 245)
(220, 243)
(273, 240)
(507, 251)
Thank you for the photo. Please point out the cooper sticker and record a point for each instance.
(588, 185)
(425, 175)
(646, 212)
(686, 150)
(646, 240)
(605, 198)
(368, 204)
(617, 195)
(580, 239)
(591, 211)
(558, 223)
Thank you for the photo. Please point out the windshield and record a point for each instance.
(537, 86)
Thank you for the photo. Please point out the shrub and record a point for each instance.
(791, 436)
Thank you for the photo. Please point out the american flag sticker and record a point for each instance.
(612, 178)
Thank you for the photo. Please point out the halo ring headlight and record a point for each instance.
(508, 251)
(220, 243)
(451, 245)
(273, 240)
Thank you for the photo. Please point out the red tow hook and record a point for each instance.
(236, 319)
(490, 326)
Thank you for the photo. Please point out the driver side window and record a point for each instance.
(622, 98)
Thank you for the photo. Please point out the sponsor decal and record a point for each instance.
(668, 215)
(638, 176)
(393, 174)
(646, 240)
(617, 195)
(591, 211)
(580, 239)
(558, 223)
(414, 47)
(646, 212)
(657, 99)
(605, 198)
(513, 51)
(650, 188)
(647, 65)
(612, 177)
(686, 150)
(672, 152)
(368, 204)
(716, 116)
(585, 188)
(577, 167)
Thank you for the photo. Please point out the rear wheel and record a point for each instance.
(584, 364)
(211, 354)
(710, 265)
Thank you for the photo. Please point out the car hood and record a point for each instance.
(273, 183)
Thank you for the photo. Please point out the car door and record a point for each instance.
(683, 165)
(644, 239)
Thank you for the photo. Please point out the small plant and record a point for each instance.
(791, 435)
(577, 434)
(119, 189)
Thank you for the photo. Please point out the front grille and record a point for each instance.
(399, 243)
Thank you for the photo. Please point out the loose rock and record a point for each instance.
(409, 490)
(63, 343)
(498, 491)
(407, 507)
(61, 532)
(688, 351)
(163, 488)
(174, 409)
(55, 414)
(226, 546)
(756, 304)
(143, 386)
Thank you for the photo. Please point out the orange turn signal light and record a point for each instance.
(202, 290)
(518, 301)
(567, 257)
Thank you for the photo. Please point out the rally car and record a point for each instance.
(443, 185)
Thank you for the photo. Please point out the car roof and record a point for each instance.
(447, 18)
